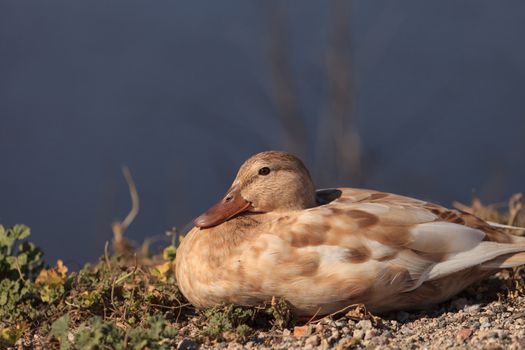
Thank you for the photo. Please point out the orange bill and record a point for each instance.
(231, 205)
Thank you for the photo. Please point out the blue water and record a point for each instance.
(182, 92)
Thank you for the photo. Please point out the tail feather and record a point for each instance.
(505, 261)
(518, 239)
(484, 254)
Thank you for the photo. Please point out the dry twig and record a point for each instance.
(119, 227)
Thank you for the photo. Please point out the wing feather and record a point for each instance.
(391, 242)
(483, 252)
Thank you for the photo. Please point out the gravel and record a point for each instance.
(484, 317)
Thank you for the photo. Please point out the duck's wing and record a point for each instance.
(404, 242)
(353, 195)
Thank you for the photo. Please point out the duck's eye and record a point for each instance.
(264, 171)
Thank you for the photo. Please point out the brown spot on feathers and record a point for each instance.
(391, 235)
(358, 254)
(377, 195)
(304, 235)
(492, 233)
(387, 257)
(467, 219)
(308, 262)
(363, 218)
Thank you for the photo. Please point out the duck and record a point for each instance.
(273, 235)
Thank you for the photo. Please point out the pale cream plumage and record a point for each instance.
(273, 236)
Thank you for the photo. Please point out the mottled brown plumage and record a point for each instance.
(327, 249)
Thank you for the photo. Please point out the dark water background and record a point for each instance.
(183, 91)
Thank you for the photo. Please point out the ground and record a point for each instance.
(130, 300)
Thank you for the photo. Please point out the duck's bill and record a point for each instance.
(231, 205)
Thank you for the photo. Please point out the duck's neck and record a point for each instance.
(301, 198)
(207, 257)
(221, 240)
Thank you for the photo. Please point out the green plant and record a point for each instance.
(59, 330)
(231, 321)
(154, 333)
(20, 262)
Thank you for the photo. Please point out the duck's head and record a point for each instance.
(268, 181)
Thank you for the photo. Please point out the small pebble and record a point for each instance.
(484, 319)
(340, 324)
(464, 333)
(364, 324)
(492, 334)
(302, 331)
(369, 334)
(312, 340)
(472, 309)
(346, 343)
(188, 344)
(407, 331)
(358, 334)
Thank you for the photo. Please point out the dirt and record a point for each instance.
(486, 316)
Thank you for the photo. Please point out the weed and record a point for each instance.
(231, 321)
(154, 333)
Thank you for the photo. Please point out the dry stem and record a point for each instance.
(119, 227)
